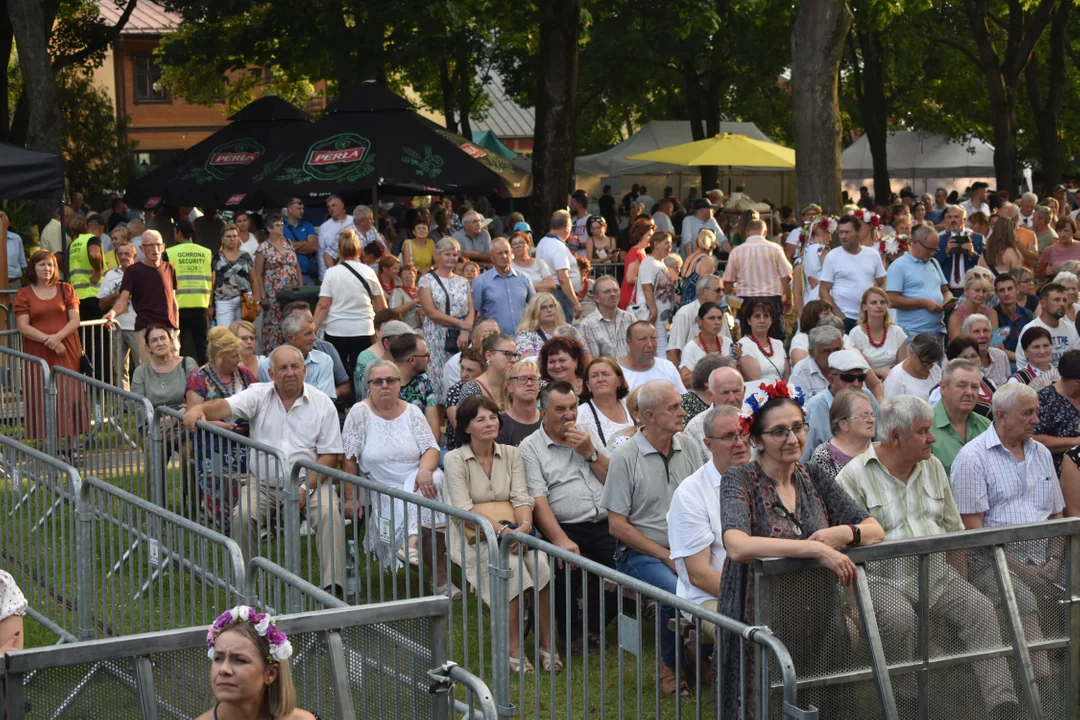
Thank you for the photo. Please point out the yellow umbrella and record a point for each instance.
(725, 149)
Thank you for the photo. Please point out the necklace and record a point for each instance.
(705, 345)
(870, 337)
(387, 289)
(220, 383)
(767, 351)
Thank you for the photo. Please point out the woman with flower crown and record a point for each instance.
(776, 506)
(249, 671)
(810, 257)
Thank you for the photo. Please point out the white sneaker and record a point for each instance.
(305, 529)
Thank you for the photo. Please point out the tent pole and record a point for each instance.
(729, 181)
(5, 300)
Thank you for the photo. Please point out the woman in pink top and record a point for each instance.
(1065, 248)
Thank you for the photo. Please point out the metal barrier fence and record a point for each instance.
(99, 347)
(380, 661)
(269, 587)
(619, 675)
(28, 403)
(948, 626)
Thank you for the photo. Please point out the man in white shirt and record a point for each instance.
(977, 201)
(52, 237)
(329, 231)
(1028, 201)
(1062, 331)
(702, 218)
(641, 364)
(553, 251)
(646, 200)
(364, 222)
(849, 271)
(695, 536)
(726, 387)
(125, 346)
(579, 210)
(298, 328)
(662, 217)
(288, 414)
(684, 325)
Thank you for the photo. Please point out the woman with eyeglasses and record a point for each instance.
(602, 405)
(563, 359)
(1025, 289)
(500, 352)
(542, 315)
(977, 289)
(520, 415)
(276, 269)
(776, 506)
(920, 372)
(851, 422)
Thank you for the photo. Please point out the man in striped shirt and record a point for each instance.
(906, 489)
(758, 270)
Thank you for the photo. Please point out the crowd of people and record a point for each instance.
(785, 392)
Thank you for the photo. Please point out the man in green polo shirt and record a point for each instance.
(955, 424)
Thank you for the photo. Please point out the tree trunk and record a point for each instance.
(463, 74)
(1048, 115)
(447, 86)
(696, 108)
(553, 136)
(874, 106)
(817, 44)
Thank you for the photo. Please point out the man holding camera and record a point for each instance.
(959, 250)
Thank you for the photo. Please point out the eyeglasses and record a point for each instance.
(730, 438)
(780, 434)
(852, 377)
(512, 354)
(865, 417)
(525, 379)
(379, 382)
(786, 514)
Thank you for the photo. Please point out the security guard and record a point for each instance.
(194, 286)
(86, 266)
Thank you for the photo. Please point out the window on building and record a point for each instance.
(147, 78)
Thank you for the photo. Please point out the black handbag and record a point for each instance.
(85, 366)
(452, 334)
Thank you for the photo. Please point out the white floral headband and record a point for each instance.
(280, 647)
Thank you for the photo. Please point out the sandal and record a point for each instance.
(516, 665)
(551, 662)
(668, 680)
(451, 590)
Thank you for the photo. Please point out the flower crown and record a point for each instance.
(825, 222)
(893, 244)
(868, 216)
(280, 647)
(757, 399)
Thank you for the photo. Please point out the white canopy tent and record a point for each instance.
(611, 167)
(924, 161)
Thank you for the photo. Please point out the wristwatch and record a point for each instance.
(594, 457)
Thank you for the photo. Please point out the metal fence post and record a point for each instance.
(292, 532)
(499, 578)
(84, 592)
(156, 457)
(52, 428)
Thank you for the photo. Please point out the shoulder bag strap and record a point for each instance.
(357, 275)
(599, 428)
(446, 294)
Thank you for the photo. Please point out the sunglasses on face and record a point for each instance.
(853, 377)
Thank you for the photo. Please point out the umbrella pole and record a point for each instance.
(729, 181)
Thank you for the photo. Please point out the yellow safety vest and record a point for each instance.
(80, 269)
(194, 275)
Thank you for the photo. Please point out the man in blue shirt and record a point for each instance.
(16, 254)
(917, 287)
(502, 292)
(305, 242)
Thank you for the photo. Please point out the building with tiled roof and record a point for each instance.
(510, 122)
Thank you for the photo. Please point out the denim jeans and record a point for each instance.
(565, 303)
(653, 571)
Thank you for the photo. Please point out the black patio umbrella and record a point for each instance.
(204, 175)
(30, 174)
(369, 138)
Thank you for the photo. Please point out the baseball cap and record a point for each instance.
(396, 328)
(847, 360)
(523, 227)
(702, 203)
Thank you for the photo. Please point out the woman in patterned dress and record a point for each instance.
(276, 269)
(778, 507)
(439, 289)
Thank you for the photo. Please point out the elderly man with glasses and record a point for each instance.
(917, 288)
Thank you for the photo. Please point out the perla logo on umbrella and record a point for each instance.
(346, 156)
(224, 160)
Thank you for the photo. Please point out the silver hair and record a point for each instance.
(823, 334)
(1029, 197)
(951, 208)
(446, 245)
(378, 363)
(279, 348)
(957, 365)
(1044, 212)
(292, 322)
(900, 413)
(471, 215)
(843, 405)
(673, 261)
(970, 320)
(651, 395)
(709, 282)
(922, 232)
(715, 413)
(1009, 396)
(1009, 210)
(832, 321)
(153, 235)
(361, 211)
(718, 374)
(1065, 276)
(976, 273)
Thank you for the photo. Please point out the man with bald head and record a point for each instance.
(642, 476)
(289, 414)
(726, 389)
(502, 292)
(758, 270)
